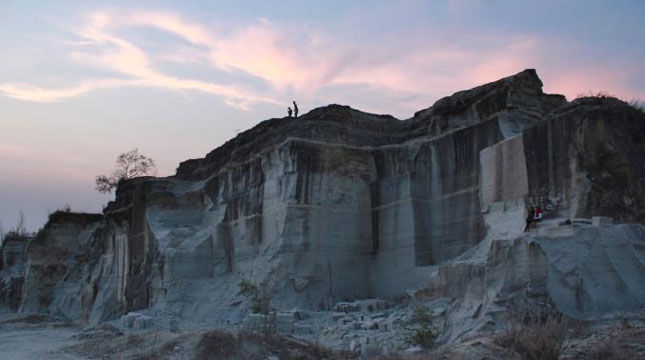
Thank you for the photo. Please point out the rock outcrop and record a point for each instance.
(339, 204)
(13, 258)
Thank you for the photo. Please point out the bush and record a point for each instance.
(536, 333)
(216, 345)
(423, 334)
(637, 105)
(257, 296)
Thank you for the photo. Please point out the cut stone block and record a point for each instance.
(286, 318)
(302, 329)
(128, 320)
(142, 322)
(284, 328)
(601, 221)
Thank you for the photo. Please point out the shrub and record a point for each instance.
(260, 303)
(216, 345)
(536, 333)
(257, 296)
(637, 105)
(423, 334)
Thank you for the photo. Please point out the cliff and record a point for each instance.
(339, 204)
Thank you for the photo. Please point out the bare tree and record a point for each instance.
(129, 165)
(20, 225)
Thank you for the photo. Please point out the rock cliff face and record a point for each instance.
(341, 204)
(13, 258)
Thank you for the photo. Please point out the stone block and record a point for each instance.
(128, 319)
(286, 328)
(370, 305)
(142, 322)
(370, 325)
(413, 350)
(385, 325)
(582, 221)
(301, 314)
(379, 315)
(438, 312)
(344, 320)
(354, 346)
(256, 319)
(299, 329)
(371, 351)
(337, 315)
(286, 318)
(346, 307)
(601, 221)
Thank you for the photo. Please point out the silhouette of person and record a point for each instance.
(529, 218)
(295, 109)
(289, 111)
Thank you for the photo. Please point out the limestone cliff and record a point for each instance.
(13, 258)
(341, 204)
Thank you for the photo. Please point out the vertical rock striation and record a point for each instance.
(341, 204)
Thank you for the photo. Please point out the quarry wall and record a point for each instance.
(339, 204)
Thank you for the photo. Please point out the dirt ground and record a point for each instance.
(35, 337)
(32, 336)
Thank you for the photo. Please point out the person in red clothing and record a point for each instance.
(538, 214)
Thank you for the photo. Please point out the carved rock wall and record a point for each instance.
(340, 204)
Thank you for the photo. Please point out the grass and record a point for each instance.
(536, 333)
(217, 345)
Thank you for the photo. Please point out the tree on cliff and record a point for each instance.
(129, 165)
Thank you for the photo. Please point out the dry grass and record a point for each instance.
(288, 348)
(246, 345)
(536, 333)
(610, 351)
(217, 345)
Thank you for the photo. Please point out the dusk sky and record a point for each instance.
(82, 81)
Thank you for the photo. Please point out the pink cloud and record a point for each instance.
(125, 58)
(579, 80)
(25, 163)
(303, 62)
(34, 93)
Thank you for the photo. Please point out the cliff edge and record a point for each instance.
(339, 204)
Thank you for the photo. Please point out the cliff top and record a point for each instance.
(339, 124)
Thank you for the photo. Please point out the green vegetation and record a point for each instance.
(257, 296)
(423, 334)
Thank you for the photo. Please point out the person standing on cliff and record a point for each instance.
(529, 218)
(289, 112)
(295, 109)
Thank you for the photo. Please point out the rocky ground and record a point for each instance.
(43, 337)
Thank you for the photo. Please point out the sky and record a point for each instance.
(83, 81)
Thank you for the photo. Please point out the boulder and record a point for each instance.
(142, 322)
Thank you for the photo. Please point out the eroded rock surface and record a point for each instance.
(13, 257)
(340, 205)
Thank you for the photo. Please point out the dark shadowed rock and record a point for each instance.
(340, 204)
